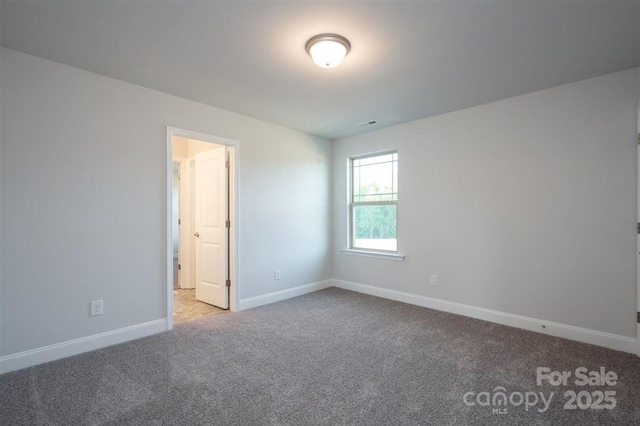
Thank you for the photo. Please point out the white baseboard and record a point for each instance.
(277, 296)
(85, 344)
(77, 346)
(599, 338)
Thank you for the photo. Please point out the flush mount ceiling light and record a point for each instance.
(328, 50)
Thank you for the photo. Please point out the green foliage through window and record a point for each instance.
(377, 221)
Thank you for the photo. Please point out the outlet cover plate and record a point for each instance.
(96, 308)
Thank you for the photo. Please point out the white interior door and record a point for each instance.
(210, 227)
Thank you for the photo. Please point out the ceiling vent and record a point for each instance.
(368, 123)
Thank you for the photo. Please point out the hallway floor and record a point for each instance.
(187, 308)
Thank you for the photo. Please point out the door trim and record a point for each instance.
(233, 146)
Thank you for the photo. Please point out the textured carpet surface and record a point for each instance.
(326, 358)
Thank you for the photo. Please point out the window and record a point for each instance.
(374, 202)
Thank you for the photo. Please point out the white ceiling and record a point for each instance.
(409, 60)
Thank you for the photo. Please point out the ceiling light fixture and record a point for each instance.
(328, 50)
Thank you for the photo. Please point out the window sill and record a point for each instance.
(375, 254)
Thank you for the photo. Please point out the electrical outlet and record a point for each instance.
(96, 308)
(276, 274)
(433, 279)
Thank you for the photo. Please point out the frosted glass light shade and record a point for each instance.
(328, 50)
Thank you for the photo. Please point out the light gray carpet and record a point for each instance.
(326, 358)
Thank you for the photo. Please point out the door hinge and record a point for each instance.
(226, 164)
(228, 224)
(179, 267)
(228, 283)
(638, 228)
(179, 221)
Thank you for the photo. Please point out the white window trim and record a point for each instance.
(375, 254)
(365, 252)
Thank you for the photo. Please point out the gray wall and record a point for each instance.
(525, 206)
(83, 182)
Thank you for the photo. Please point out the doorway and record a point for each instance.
(201, 225)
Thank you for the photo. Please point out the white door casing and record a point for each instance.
(638, 236)
(233, 147)
(211, 242)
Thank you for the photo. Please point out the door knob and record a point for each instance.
(197, 235)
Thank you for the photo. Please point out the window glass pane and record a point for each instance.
(356, 182)
(375, 178)
(375, 227)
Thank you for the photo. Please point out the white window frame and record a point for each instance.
(352, 204)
